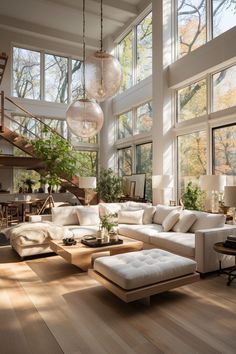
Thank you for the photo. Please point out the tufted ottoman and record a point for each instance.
(138, 275)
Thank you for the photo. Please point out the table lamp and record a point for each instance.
(230, 199)
(213, 184)
(87, 183)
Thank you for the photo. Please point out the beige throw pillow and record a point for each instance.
(207, 221)
(88, 216)
(130, 217)
(66, 215)
(170, 220)
(186, 220)
(162, 211)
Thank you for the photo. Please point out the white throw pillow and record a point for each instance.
(65, 215)
(170, 220)
(130, 217)
(162, 211)
(88, 216)
(207, 221)
(148, 215)
(186, 220)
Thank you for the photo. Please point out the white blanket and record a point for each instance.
(35, 233)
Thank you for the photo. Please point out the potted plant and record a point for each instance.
(109, 186)
(29, 183)
(192, 197)
(59, 158)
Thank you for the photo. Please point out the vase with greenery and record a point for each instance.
(109, 186)
(192, 198)
(29, 183)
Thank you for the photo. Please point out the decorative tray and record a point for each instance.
(99, 243)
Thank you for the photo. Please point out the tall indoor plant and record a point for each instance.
(109, 186)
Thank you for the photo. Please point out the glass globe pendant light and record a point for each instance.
(103, 73)
(84, 117)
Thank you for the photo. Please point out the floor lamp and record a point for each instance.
(213, 184)
(230, 199)
(87, 183)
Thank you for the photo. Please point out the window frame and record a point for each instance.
(42, 53)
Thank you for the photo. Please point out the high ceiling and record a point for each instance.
(63, 18)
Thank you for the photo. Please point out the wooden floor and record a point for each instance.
(48, 306)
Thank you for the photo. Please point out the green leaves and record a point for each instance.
(109, 186)
(61, 161)
(192, 197)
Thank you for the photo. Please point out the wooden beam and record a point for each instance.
(2, 112)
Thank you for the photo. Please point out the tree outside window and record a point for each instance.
(191, 101)
(144, 48)
(224, 89)
(144, 118)
(125, 161)
(125, 127)
(224, 150)
(144, 165)
(192, 22)
(191, 159)
(125, 56)
(26, 73)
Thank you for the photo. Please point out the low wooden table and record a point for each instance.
(81, 255)
(220, 248)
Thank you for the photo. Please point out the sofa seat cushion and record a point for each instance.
(81, 231)
(177, 242)
(31, 234)
(140, 232)
(137, 269)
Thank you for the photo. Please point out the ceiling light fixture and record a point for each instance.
(84, 117)
(103, 72)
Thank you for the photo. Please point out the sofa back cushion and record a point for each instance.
(186, 220)
(109, 208)
(207, 221)
(66, 215)
(88, 216)
(170, 220)
(130, 216)
(162, 211)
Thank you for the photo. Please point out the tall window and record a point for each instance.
(193, 21)
(26, 73)
(144, 118)
(224, 150)
(125, 127)
(144, 48)
(125, 161)
(56, 78)
(57, 72)
(224, 16)
(144, 165)
(125, 56)
(191, 101)
(135, 53)
(224, 89)
(191, 158)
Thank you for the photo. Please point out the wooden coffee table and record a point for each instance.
(81, 255)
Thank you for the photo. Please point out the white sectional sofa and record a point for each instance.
(190, 234)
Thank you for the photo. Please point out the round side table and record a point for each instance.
(220, 248)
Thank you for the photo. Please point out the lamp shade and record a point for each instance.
(212, 182)
(103, 75)
(84, 118)
(87, 182)
(230, 196)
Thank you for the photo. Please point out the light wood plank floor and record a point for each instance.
(48, 306)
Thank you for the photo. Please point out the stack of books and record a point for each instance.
(231, 241)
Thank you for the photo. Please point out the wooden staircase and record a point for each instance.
(3, 63)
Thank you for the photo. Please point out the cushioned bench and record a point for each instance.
(137, 275)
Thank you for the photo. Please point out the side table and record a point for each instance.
(220, 248)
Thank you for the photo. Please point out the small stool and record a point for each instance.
(138, 275)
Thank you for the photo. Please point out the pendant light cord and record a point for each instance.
(101, 40)
(83, 49)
